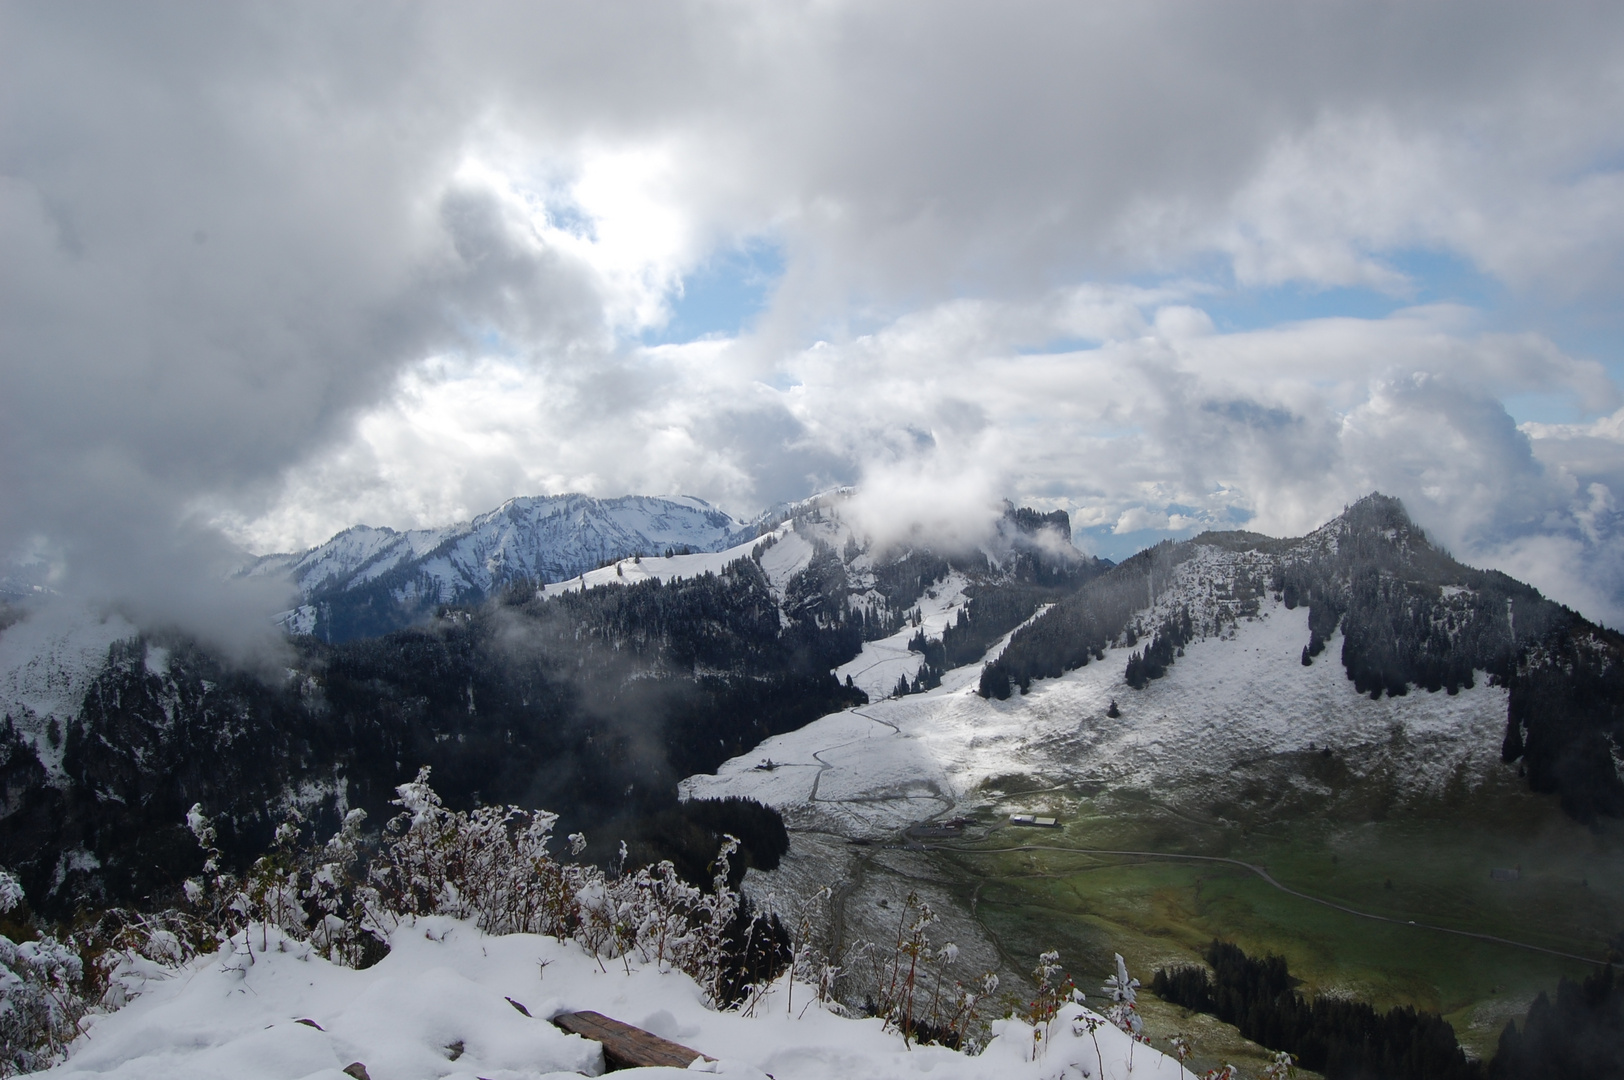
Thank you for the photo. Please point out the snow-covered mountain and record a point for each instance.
(1356, 671)
(369, 580)
(1357, 659)
(1219, 657)
(595, 694)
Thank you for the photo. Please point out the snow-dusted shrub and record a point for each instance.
(40, 1004)
(810, 962)
(1055, 989)
(909, 978)
(49, 984)
(1283, 1067)
(1123, 990)
(492, 866)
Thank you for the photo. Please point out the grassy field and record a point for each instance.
(1429, 864)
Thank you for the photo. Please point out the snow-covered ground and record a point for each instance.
(881, 663)
(441, 1006)
(786, 553)
(630, 571)
(1228, 701)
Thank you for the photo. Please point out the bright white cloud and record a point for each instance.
(1161, 426)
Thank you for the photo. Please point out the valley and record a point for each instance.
(1300, 747)
(1399, 808)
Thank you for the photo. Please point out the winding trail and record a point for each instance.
(859, 712)
(1266, 876)
(824, 766)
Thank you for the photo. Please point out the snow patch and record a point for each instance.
(156, 661)
(876, 669)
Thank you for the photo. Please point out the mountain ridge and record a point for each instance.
(1407, 615)
(368, 580)
(595, 695)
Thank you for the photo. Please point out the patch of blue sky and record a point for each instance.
(1547, 407)
(724, 295)
(1105, 542)
(572, 219)
(1580, 329)
(493, 342)
(1589, 332)
(1432, 277)
(1059, 346)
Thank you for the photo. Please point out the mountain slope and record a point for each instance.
(1207, 780)
(593, 696)
(366, 581)
(1408, 617)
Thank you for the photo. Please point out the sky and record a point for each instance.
(268, 271)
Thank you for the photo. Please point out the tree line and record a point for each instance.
(1341, 1038)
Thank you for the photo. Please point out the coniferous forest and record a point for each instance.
(1579, 1036)
(595, 702)
(1343, 1039)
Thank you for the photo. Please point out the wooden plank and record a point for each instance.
(624, 1046)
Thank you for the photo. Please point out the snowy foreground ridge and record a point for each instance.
(442, 1005)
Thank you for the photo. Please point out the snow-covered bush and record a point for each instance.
(1123, 990)
(40, 1005)
(50, 983)
(492, 866)
(909, 978)
(1055, 989)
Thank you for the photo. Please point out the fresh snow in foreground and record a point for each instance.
(442, 990)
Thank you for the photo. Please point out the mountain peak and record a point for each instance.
(368, 581)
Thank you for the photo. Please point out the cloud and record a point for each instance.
(284, 268)
(941, 414)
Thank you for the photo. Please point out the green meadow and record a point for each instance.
(1429, 863)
